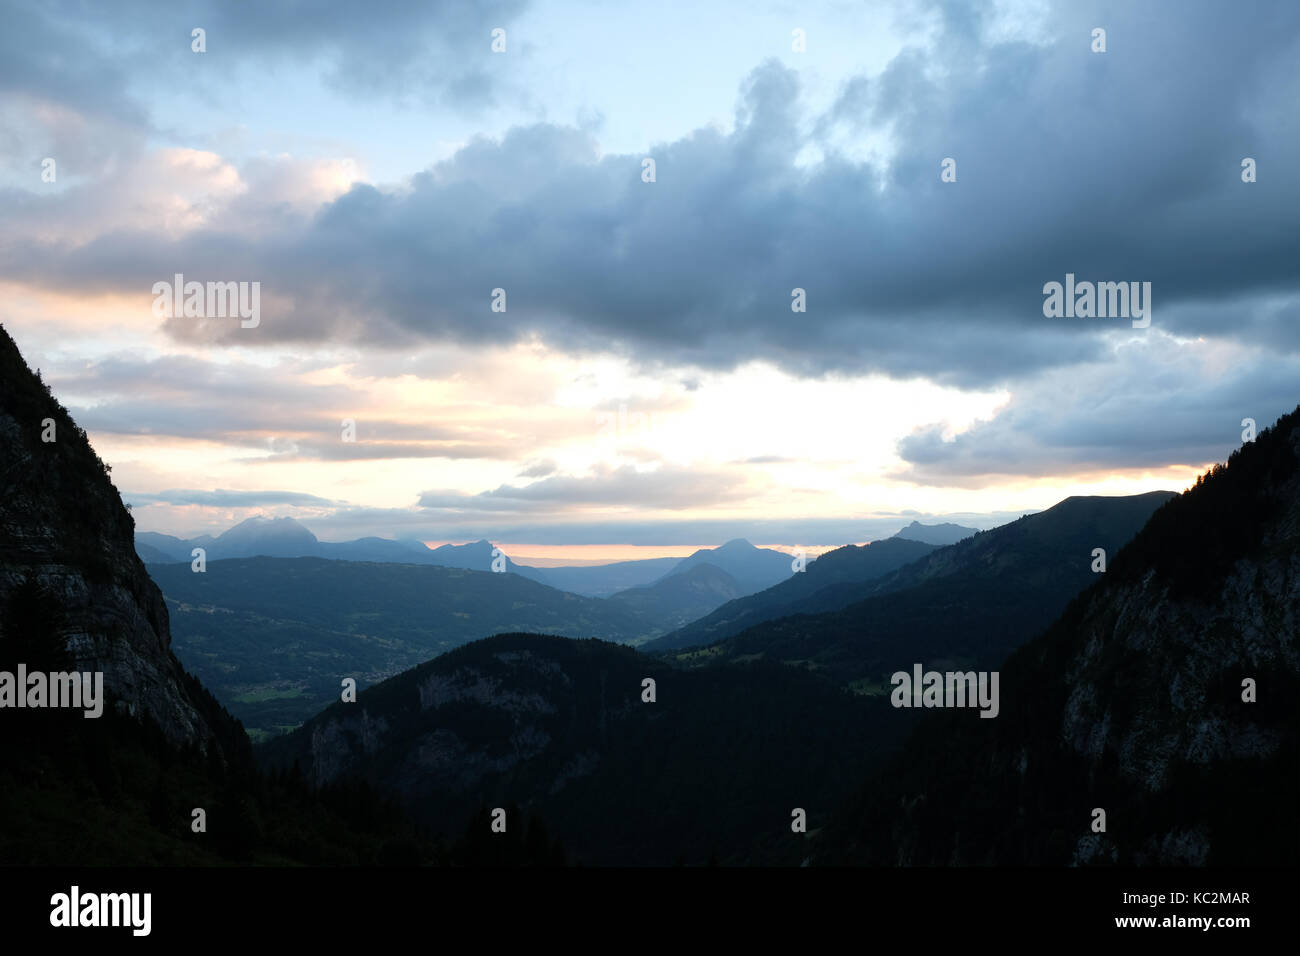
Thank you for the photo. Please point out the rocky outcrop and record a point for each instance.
(64, 526)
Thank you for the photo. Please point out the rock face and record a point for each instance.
(63, 525)
(1165, 696)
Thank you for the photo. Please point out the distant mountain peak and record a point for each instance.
(738, 544)
(937, 534)
(265, 523)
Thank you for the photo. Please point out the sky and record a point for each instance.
(644, 384)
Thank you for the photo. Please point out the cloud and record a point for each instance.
(539, 469)
(1118, 166)
(281, 416)
(95, 56)
(225, 498)
(382, 451)
(1158, 403)
(347, 522)
(667, 488)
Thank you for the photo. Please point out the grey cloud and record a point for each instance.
(222, 497)
(375, 451)
(90, 56)
(59, 54)
(665, 488)
(1117, 166)
(538, 469)
(1152, 407)
(181, 396)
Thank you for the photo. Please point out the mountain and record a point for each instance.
(154, 543)
(151, 555)
(970, 603)
(478, 556)
(834, 580)
(602, 580)
(260, 536)
(712, 769)
(375, 549)
(64, 529)
(1134, 702)
(754, 569)
(271, 537)
(936, 534)
(274, 637)
(120, 789)
(678, 598)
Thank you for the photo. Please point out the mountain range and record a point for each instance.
(970, 603)
(261, 536)
(753, 569)
(1146, 716)
(835, 579)
(1162, 699)
(274, 637)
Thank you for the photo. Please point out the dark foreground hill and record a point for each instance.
(1165, 696)
(712, 769)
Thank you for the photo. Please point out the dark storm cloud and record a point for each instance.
(1118, 166)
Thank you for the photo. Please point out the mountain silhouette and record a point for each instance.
(834, 580)
(1134, 702)
(971, 602)
(936, 534)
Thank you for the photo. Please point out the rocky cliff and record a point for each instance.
(64, 527)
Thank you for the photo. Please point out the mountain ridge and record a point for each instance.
(1003, 585)
(803, 592)
(936, 534)
(1134, 701)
